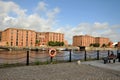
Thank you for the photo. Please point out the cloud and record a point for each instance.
(41, 6)
(112, 33)
(43, 19)
(51, 14)
(100, 26)
(95, 29)
(7, 8)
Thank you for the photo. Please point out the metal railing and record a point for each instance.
(66, 56)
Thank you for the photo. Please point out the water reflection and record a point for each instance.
(20, 56)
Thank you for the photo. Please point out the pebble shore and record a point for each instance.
(61, 71)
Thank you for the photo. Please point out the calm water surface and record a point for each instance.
(20, 56)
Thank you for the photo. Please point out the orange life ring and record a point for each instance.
(52, 52)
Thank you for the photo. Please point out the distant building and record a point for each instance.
(45, 37)
(102, 40)
(0, 35)
(28, 38)
(86, 40)
(18, 37)
(118, 45)
(41, 38)
(83, 40)
(65, 42)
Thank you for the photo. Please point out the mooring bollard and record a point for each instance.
(78, 62)
(97, 54)
(70, 56)
(85, 57)
(27, 60)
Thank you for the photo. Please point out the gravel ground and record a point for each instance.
(61, 71)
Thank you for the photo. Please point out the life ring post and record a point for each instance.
(51, 59)
(52, 53)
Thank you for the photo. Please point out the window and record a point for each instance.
(16, 43)
(11, 43)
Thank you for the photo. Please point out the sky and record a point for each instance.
(98, 18)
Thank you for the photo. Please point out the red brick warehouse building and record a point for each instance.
(18, 37)
(27, 38)
(86, 40)
(45, 37)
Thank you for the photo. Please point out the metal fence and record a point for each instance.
(30, 57)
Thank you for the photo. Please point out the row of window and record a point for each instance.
(20, 44)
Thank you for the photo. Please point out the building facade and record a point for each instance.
(86, 40)
(118, 44)
(45, 37)
(41, 38)
(18, 37)
(82, 40)
(102, 40)
(0, 35)
(28, 38)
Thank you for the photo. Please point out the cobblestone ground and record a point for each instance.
(62, 71)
